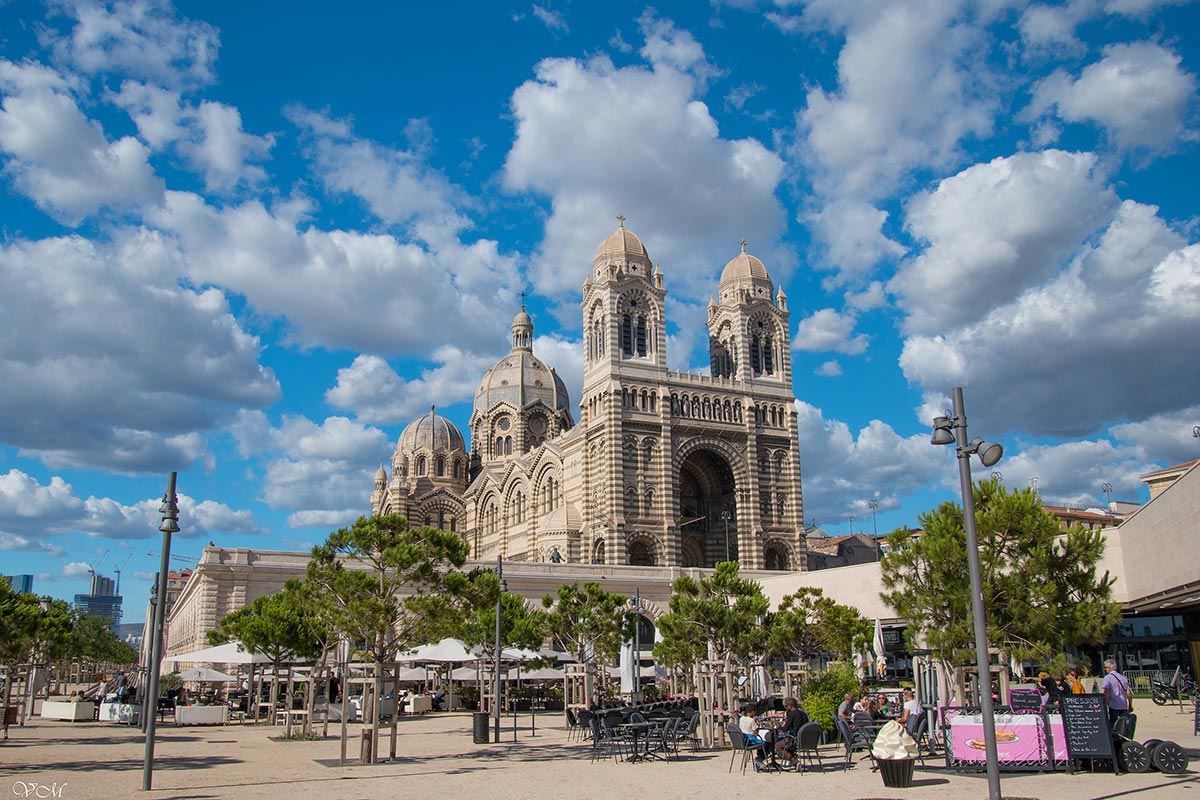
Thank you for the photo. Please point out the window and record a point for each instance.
(755, 355)
(768, 356)
(421, 465)
(441, 467)
(627, 335)
(641, 336)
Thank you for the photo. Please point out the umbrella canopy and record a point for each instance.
(449, 650)
(205, 674)
(228, 653)
(414, 674)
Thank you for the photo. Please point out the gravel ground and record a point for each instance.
(438, 760)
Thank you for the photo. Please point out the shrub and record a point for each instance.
(824, 693)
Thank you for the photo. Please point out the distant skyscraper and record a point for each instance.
(103, 600)
(21, 584)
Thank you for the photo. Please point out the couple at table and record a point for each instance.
(781, 739)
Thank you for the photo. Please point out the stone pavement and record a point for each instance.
(438, 760)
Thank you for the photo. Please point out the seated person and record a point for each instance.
(875, 711)
(439, 697)
(846, 709)
(884, 705)
(910, 717)
(748, 725)
(794, 719)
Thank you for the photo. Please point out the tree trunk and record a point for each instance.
(274, 689)
(375, 710)
(395, 711)
(287, 703)
(7, 697)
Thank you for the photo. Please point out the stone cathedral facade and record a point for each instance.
(662, 468)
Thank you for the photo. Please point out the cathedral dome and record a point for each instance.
(431, 433)
(744, 271)
(622, 243)
(519, 379)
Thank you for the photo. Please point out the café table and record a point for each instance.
(639, 730)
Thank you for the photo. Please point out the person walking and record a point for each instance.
(1117, 696)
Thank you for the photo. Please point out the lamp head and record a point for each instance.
(942, 434)
(169, 525)
(990, 453)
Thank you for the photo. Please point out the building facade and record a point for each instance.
(662, 468)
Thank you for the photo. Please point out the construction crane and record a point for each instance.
(187, 559)
(118, 571)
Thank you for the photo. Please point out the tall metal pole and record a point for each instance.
(637, 643)
(874, 504)
(496, 685)
(982, 662)
(150, 705)
(170, 524)
(725, 516)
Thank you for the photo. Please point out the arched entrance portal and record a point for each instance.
(706, 488)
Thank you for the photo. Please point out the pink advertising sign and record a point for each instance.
(1019, 738)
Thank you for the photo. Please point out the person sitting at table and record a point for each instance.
(910, 717)
(846, 709)
(794, 719)
(439, 697)
(875, 711)
(748, 725)
(884, 705)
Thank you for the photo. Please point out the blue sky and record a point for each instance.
(250, 242)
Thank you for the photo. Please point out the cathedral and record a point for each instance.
(662, 468)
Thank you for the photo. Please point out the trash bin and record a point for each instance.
(479, 727)
(897, 772)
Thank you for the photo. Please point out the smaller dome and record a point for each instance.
(744, 266)
(381, 473)
(522, 318)
(745, 273)
(432, 433)
(622, 241)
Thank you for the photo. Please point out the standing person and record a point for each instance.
(1074, 685)
(1116, 692)
(911, 715)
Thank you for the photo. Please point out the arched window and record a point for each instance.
(641, 554)
(441, 467)
(627, 335)
(421, 465)
(755, 355)
(508, 445)
(499, 451)
(641, 336)
(649, 502)
(768, 355)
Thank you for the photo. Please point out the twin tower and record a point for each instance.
(663, 468)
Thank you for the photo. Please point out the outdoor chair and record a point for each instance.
(855, 741)
(573, 727)
(605, 742)
(740, 745)
(808, 742)
(584, 718)
(924, 740)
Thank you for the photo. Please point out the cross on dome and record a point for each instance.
(743, 244)
(621, 219)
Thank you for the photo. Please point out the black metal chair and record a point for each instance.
(808, 742)
(855, 741)
(741, 745)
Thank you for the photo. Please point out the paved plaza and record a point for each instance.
(439, 760)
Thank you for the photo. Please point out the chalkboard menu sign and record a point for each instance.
(1025, 701)
(1085, 724)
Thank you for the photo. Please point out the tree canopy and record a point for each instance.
(808, 622)
(1041, 586)
(520, 625)
(723, 612)
(410, 591)
(591, 621)
(283, 626)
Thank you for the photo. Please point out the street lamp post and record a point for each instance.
(496, 677)
(725, 515)
(638, 609)
(170, 524)
(954, 430)
(874, 504)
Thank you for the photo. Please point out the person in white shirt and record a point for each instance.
(910, 717)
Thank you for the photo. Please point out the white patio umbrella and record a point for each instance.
(877, 646)
(447, 651)
(206, 674)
